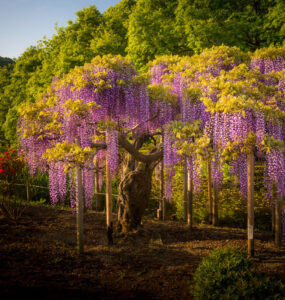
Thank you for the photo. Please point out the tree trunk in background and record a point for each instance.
(250, 203)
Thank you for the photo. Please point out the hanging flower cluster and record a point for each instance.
(79, 105)
(239, 104)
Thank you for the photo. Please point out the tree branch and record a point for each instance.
(148, 120)
(146, 158)
(99, 146)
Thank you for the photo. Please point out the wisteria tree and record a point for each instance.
(105, 116)
(243, 114)
(101, 112)
(197, 145)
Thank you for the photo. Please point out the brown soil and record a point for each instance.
(38, 257)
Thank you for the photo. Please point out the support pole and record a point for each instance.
(278, 231)
(215, 205)
(109, 217)
(190, 198)
(185, 182)
(79, 207)
(161, 212)
(28, 191)
(274, 197)
(96, 190)
(161, 208)
(250, 203)
(273, 218)
(209, 169)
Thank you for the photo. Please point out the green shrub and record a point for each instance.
(229, 274)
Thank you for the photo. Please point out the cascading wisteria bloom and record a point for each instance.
(184, 76)
(88, 184)
(108, 89)
(57, 182)
(268, 61)
(112, 151)
(194, 170)
(170, 158)
(220, 87)
(166, 108)
(72, 188)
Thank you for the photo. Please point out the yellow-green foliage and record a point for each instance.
(40, 120)
(270, 53)
(239, 90)
(77, 107)
(269, 143)
(41, 116)
(71, 154)
(95, 73)
(193, 92)
(208, 60)
(167, 60)
(159, 92)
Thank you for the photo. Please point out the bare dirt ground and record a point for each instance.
(38, 257)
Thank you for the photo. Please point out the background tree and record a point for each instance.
(111, 37)
(18, 90)
(5, 61)
(5, 77)
(152, 32)
(274, 27)
(233, 23)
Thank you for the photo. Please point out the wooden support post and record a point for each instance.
(278, 225)
(109, 204)
(273, 218)
(185, 182)
(210, 199)
(162, 197)
(161, 208)
(28, 191)
(250, 203)
(190, 199)
(274, 199)
(96, 189)
(215, 205)
(79, 207)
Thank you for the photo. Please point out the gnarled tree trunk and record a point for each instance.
(134, 189)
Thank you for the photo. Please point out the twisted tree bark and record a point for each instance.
(134, 189)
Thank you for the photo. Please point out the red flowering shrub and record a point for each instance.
(12, 167)
(10, 164)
